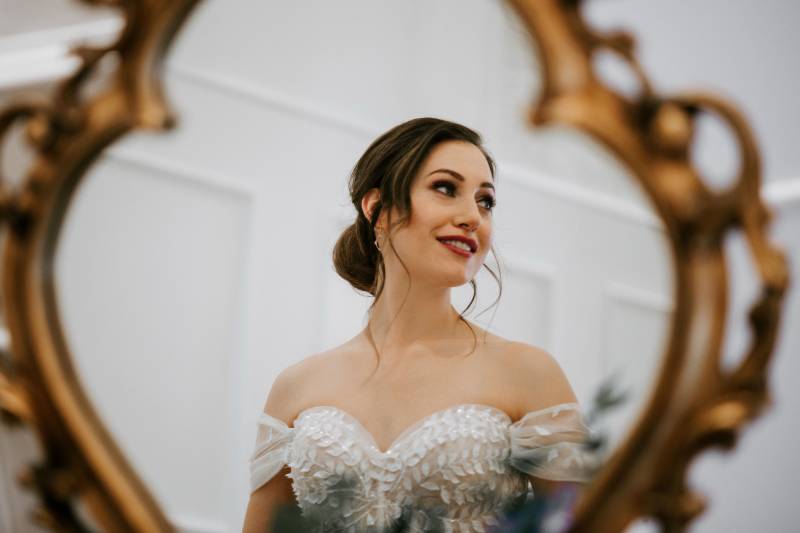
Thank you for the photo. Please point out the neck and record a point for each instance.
(426, 314)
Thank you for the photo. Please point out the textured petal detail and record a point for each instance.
(453, 463)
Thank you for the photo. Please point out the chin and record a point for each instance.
(456, 280)
(449, 277)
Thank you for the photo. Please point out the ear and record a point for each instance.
(369, 200)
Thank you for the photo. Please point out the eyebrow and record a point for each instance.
(459, 177)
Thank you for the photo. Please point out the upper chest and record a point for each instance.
(387, 404)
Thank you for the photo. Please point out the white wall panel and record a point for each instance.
(148, 276)
(635, 326)
(525, 309)
(340, 310)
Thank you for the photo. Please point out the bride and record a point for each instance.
(423, 416)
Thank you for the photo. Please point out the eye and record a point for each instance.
(446, 184)
(490, 202)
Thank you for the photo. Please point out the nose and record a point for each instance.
(469, 217)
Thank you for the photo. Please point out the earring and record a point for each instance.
(378, 235)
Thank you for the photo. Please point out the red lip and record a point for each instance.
(473, 246)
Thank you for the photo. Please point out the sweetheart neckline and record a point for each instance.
(409, 429)
(418, 423)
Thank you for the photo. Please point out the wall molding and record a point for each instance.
(541, 182)
(545, 274)
(267, 97)
(616, 294)
(41, 56)
(246, 195)
(39, 65)
(782, 192)
(182, 171)
(534, 180)
(44, 55)
(528, 267)
(637, 297)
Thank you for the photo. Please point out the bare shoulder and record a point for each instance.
(533, 376)
(529, 359)
(515, 356)
(288, 387)
(300, 384)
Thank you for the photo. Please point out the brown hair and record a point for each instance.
(390, 164)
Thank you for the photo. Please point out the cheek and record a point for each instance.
(487, 234)
(424, 222)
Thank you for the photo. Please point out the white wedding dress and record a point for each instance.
(457, 469)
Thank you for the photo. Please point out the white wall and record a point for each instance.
(195, 265)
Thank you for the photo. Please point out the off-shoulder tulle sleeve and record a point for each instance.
(549, 444)
(272, 446)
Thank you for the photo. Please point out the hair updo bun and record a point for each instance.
(390, 164)
(355, 256)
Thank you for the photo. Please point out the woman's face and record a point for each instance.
(452, 196)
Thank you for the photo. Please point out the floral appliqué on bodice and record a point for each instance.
(457, 469)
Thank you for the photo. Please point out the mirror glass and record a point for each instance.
(196, 264)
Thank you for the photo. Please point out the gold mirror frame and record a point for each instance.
(694, 404)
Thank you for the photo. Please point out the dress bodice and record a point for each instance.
(457, 469)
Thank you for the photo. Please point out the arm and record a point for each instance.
(546, 487)
(267, 499)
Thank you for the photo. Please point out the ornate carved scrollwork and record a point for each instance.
(39, 385)
(695, 404)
